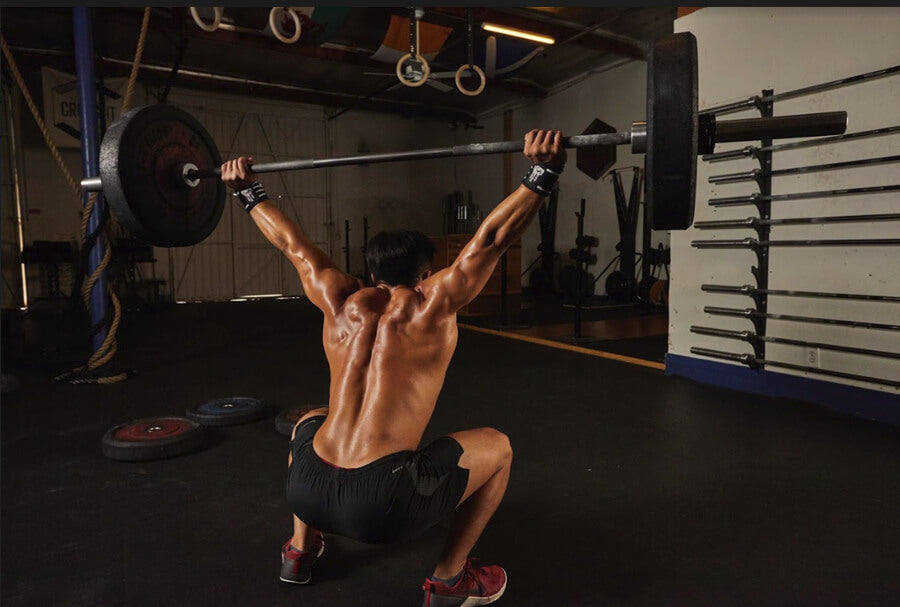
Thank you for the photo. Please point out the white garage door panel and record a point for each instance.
(257, 270)
(237, 260)
(203, 272)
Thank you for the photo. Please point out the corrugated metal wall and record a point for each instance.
(236, 260)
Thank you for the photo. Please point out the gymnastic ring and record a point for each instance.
(425, 74)
(461, 88)
(218, 11)
(275, 27)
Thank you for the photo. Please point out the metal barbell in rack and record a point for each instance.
(755, 362)
(753, 151)
(755, 222)
(757, 100)
(756, 174)
(752, 314)
(752, 338)
(732, 201)
(752, 291)
(752, 243)
(159, 167)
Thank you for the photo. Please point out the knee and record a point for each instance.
(502, 444)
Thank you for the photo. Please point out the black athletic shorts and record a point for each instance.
(395, 497)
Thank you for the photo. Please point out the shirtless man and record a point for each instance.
(355, 468)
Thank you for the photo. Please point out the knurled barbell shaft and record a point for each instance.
(471, 149)
(825, 123)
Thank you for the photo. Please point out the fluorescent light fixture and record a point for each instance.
(508, 31)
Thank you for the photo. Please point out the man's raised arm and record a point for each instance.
(326, 286)
(460, 283)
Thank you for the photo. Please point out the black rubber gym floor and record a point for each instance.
(628, 487)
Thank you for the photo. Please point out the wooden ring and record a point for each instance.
(424, 77)
(461, 88)
(273, 24)
(218, 11)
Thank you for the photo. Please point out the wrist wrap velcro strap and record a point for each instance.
(541, 178)
(251, 196)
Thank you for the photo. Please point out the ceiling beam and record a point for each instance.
(155, 74)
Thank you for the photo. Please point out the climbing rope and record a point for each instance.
(90, 372)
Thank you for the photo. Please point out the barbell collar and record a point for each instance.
(639, 137)
(92, 184)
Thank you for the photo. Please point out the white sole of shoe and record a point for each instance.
(474, 601)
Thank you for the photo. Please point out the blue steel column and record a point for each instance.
(90, 156)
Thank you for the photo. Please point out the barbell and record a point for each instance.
(160, 169)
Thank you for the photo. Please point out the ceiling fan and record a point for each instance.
(413, 68)
(413, 72)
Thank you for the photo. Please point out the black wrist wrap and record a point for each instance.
(541, 178)
(251, 196)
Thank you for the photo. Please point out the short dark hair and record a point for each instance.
(399, 257)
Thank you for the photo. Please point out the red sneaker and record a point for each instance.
(476, 586)
(296, 567)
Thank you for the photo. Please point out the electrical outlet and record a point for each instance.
(812, 357)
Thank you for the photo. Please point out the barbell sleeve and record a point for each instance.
(781, 127)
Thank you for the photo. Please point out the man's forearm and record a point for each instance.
(509, 220)
(275, 225)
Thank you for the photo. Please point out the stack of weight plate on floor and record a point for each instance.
(164, 437)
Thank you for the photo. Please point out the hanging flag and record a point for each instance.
(502, 56)
(396, 40)
(322, 23)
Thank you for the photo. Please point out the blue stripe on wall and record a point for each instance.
(861, 402)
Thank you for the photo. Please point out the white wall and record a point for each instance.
(743, 50)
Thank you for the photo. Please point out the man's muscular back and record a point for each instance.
(388, 349)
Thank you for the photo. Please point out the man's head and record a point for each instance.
(399, 257)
